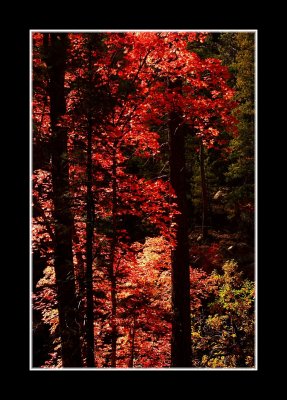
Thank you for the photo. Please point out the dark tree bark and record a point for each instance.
(181, 322)
(113, 278)
(204, 194)
(80, 280)
(113, 321)
(41, 155)
(89, 255)
(56, 46)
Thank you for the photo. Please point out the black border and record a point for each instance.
(183, 17)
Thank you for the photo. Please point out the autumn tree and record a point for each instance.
(105, 100)
(55, 46)
(181, 327)
(196, 98)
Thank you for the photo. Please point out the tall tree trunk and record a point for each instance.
(181, 322)
(114, 313)
(113, 278)
(89, 254)
(204, 194)
(132, 338)
(56, 45)
(80, 290)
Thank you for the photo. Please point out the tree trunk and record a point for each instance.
(113, 324)
(204, 194)
(132, 338)
(113, 277)
(56, 45)
(80, 291)
(89, 255)
(181, 322)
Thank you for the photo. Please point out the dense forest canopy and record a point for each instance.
(143, 199)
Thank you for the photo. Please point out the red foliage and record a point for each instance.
(126, 75)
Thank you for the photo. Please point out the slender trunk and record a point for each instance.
(89, 254)
(113, 324)
(80, 290)
(132, 336)
(113, 277)
(204, 194)
(181, 322)
(56, 44)
(80, 271)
